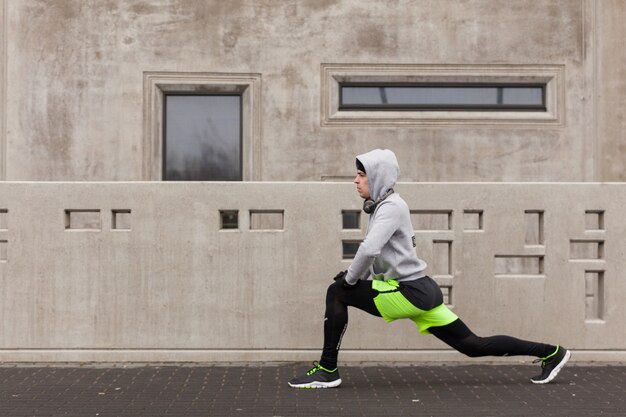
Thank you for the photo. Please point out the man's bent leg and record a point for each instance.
(338, 298)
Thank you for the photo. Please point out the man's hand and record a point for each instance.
(340, 280)
(340, 276)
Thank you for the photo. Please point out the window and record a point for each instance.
(350, 248)
(202, 138)
(351, 219)
(201, 126)
(442, 97)
(229, 219)
(369, 95)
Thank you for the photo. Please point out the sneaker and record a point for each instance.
(317, 377)
(551, 365)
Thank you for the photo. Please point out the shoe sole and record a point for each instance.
(556, 369)
(317, 384)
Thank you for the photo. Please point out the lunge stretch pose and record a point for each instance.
(399, 288)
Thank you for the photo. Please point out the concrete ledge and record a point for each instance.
(262, 355)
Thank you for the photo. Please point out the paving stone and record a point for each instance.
(262, 390)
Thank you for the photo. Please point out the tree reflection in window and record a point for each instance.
(202, 138)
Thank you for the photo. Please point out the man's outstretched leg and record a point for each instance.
(338, 297)
(461, 338)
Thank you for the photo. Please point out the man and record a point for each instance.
(399, 287)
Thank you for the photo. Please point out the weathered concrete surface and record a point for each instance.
(74, 106)
(165, 283)
(612, 92)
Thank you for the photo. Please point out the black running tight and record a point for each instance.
(456, 334)
(461, 338)
(338, 299)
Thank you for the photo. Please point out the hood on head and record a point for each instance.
(382, 169)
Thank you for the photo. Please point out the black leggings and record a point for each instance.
(461, 338)
(456, 334)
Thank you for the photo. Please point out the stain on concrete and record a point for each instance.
(231, 35)
(319, 4)
(143, 8)
(376, 39)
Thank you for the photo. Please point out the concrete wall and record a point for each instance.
(611, 121)
(76, 105)
(73, 105)
(149, 275)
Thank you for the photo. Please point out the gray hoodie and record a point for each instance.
(387, 252)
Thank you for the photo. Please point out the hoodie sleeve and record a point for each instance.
(383, 228)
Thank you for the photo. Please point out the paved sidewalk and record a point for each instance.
(262, 390)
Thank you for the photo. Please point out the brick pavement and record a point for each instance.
(261, 390)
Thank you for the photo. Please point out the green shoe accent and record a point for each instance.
(551, 355)
(551, 365)
(317, 367)
(317, 377)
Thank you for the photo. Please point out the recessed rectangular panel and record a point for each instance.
(351, 219)
(431, 219)
(229, 219)
(472, 220)
(83, 219)
(586, 249)
(4, 250)
(442, 257)
(447, 294)
(594, 220)
(533, 222)
(349, 248)
(518, 265)
(266, 219)
(4, 219)
(120, 219)
(594, 295)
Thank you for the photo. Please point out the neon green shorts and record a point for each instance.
(392, 305)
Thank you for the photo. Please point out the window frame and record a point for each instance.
(199, 94)
(334, 75)
(158, 84)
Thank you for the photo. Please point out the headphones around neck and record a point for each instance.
(370, 205)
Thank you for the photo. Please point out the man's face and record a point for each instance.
(362, 186)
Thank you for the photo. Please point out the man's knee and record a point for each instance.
(470, 346)
(333, 290)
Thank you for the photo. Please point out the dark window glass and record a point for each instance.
(350, 219)
(202, 138)
(442, 97)
(230, 219)
(349, 248)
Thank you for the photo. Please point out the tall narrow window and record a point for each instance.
(202, 138)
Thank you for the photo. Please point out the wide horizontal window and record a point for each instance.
(460, 97)
(365, 95)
